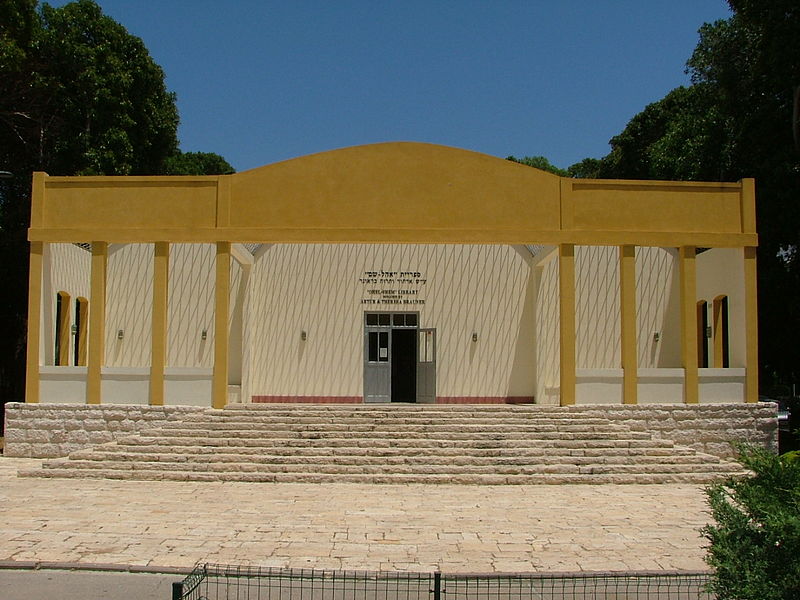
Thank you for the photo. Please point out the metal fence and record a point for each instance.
(219, 582)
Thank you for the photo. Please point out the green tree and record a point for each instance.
(754, 544)
(588, 168)
(737, 120)
(538, 162)
(78, 95)
(751, 65)
(197, 163)
(680, 137)
(115, 115)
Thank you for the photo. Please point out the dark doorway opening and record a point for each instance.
(404, 365)
(702, 334)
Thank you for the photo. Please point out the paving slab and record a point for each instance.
(455, 528)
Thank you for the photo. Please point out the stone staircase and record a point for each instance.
(442, 444)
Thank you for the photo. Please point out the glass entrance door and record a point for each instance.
(426, 366)
(390, 357)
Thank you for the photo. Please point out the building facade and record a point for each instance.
(393, 272)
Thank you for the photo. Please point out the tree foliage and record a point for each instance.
(588, 168)
(737, 120)
(538, 162)
(196, 163)
(755, 542)
(79, 95)
(676, 138)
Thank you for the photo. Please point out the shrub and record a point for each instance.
(755, 544)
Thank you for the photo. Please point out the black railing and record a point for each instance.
(220, 582)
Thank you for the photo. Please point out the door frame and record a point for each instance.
(377, 374)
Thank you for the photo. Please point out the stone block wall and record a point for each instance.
(708, 428)
(52, 430)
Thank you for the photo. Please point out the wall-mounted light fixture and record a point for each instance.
(474, 336)
(74, 330)
(120, 334)
(657, 336)
(303, 335)
(204, 335)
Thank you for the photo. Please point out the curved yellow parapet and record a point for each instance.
(392, 192)
(396, 186)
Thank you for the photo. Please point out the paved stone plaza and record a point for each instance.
(351, 526)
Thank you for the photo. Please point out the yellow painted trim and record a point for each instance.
(651, 185)
(627, 304)
(400, 236)
(34, 322)
(224, 202)
(688, 297)
(751, 324)
(158, 352)
(219, 391)
(567, 206)
(38, 199)
(566, 285)
(748, 207)
(97, 322)
(381, 193)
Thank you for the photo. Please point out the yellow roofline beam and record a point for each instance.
(411, 236)
(398, 192)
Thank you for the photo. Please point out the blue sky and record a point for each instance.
(263, 81)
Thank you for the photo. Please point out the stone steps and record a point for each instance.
(176, 468)
(450, 453)
(508, 434)
(317, 478)
(366, 442)
(384, 460)
(405, 444)
(462, 418)
(526, 425)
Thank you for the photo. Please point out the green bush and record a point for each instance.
(755, 543)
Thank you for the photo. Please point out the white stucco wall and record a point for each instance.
(548, 346)
(129, 305)
(67, 268)
(501, 293)
(657, 308)
(316, 289)
(129, 293)
(720, 271)
(190, 305)
(597, 321)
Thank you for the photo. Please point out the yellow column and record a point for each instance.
(627, 305)
(751, 324)
(566, 285)
(688, 276)
(219, 386)
(97, 321)
(34, 322)
(158, 353)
